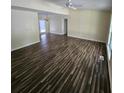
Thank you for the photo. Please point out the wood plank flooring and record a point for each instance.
(60, 64)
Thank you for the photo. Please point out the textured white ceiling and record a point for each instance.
(86, 4)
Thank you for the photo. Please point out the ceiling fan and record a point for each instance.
(72, 6)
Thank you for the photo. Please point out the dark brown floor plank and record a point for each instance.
(60, 64)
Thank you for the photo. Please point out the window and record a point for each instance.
(42, 26)
(110, 42)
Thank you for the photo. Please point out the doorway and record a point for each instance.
(44, 28)
(42, 25)
(66, 26)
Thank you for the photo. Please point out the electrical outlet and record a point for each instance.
(101, 58)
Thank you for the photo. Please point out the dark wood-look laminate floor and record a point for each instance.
(60, 64)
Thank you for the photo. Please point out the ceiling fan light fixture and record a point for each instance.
(70, 5)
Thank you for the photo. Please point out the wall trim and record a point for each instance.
(109, 69)
(87, 39)
(57, 33)
(26, 45)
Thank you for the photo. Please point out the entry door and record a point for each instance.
(66, 26)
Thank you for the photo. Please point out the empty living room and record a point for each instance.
(60, 46)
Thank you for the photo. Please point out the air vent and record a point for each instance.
(101, 58)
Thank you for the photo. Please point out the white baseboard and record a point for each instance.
(24, 46)
(57, 33)
(87, 38)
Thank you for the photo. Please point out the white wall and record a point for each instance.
(89, 24)
(24, 28)
(39, 5)
(56, 24)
